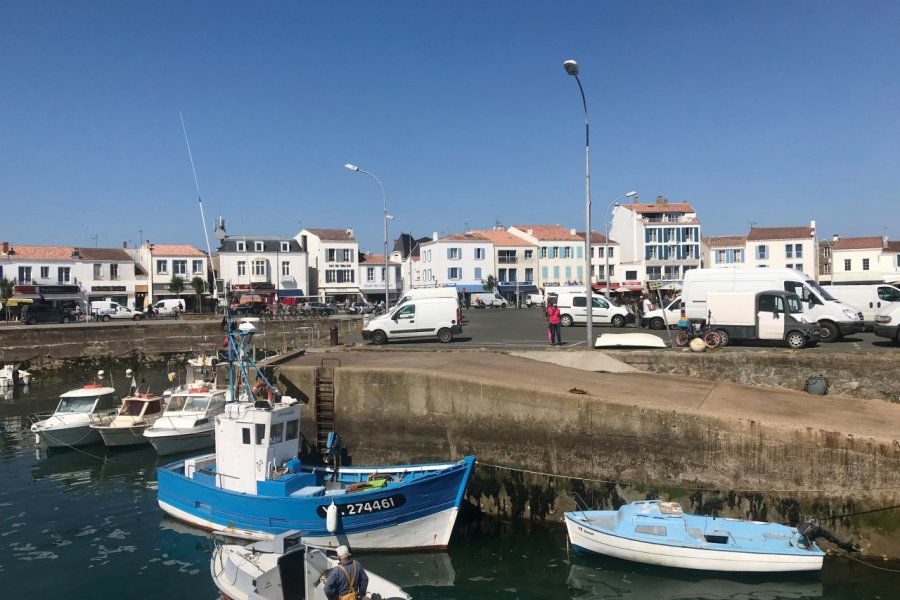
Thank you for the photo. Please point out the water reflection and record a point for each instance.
(599, 578)
(408, 570)
(95, 463)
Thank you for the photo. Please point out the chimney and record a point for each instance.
(349, 232)
(572, 231)
(531, 232)
(812, 227)
(434, 236)
(835, 237)
(125, 244)
(4, 247)
(661, 201)
(634, 200)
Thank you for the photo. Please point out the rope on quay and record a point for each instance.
(862, 562)
(688, 487)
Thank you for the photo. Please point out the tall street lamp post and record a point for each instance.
(387, 293)
(606, 239)
(571, 68)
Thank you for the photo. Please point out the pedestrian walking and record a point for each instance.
(646, 307)
(553, 323)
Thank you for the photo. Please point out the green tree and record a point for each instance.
(489, 282)
(176, 285)
(199, 287)
(6, 287)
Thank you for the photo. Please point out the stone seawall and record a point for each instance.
(538, 452)
(854, 374)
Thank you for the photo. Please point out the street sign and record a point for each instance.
(654, 285)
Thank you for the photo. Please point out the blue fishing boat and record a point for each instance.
(255, 487)
(659, 533)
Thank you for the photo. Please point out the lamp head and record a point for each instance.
(631, 194)
(571, 67)
(351, 167)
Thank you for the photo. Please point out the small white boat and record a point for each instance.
(11, 376)
(189, 420)
(283, 569)
(70, 424)
(200, 372)
(629, 340)
(659, 533)
(136, 415)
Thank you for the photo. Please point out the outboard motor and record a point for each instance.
(810, 531)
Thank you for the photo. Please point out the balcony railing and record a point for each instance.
(507, 260)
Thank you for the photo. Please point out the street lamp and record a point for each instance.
(606, 250)
(387, 293)
(571, 68)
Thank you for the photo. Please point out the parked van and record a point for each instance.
(657, 320)
(573, 310)
(104, 310)
(492, 299)
(170, 307)
(773, 315)
(429, 292)
(416, 318)
(835, 318)
(534, 300)
(887, 323)
(868, 299)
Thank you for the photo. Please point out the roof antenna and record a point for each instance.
(215, 287)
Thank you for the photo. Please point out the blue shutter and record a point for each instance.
(579, 253)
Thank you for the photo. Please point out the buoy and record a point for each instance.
(698, 345)
(331, 517)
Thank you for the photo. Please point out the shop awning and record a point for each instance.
(524, 288)
(62, 297)
(470, 288)
(290, 293)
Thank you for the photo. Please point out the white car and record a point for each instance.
(534, 300)
(655, 319)
(120, 312)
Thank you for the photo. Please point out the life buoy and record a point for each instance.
(92, 386)
(258, 386)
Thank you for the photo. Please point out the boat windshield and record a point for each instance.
(75, 405)
(132, 408)
(196, 404)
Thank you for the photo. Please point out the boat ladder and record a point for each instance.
(324, 403)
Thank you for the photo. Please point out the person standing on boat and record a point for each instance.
(348, 581)
(553, 323)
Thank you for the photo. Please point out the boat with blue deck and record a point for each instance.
(659, 533)
(255, 487)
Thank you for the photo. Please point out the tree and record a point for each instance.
(489, 282)
(176, 285)
(6, 287)
(199, 287)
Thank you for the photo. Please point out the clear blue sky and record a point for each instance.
(766, 111)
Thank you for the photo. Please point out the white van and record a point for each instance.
(170, 307)
(775, 315)
(492, 299)
(104, 310)
(887, 323)
(416, 318)
(655, 319)
(573, 310)
(429, 292)
(868, 299)
(835, 318)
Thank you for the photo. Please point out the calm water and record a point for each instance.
(85, 524)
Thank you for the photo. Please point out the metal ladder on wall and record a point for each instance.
(324, 402)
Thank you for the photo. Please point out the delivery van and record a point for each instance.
(868, 299)
(773, 315)
(416, 318)
(428, 292)
(104, 310)
(492, 299)
(835, 318)
(887, 322)
(573, 310)
(170, 307)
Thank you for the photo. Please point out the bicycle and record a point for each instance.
(697, 329)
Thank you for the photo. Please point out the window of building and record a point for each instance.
(556, 273)
(259, 246)
(285, 246)
(529, 254)
(370, 274)
(98, 271)
(654, 273)
(865, 264)
(543, 252)
(241, 268)
(454, 253)
(339, 276)
(544, 273)
(259, 267)
(179, 267)
(847, 264)
(612, 251)
(762, 253)
(789, 251)
(162, 266)
(24, 274)
(826, 268)
(568, 272)
(501, 274)
(63, 274)
(45, 272)
(479, 253)
(506, 257)
(513, 275)
(826, 251)
(197, 266)
(240, 246)
(612, 270)
(798, 250)
(630, 275)
(382, 274)
(113, 271)
(580, 273)
(285, 268)
(454, 273)
(478, 273)
(567, 252)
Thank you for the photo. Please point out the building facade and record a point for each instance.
(372, 275)
(784, 247)
(863, 260)
(516, 261)
(723, 251)
(560, 253)
(161, 263)
(463, 260)
(333, 270)
(270, 267)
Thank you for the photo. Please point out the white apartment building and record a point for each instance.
(268, 266)
(111, 274)
(333, 270)
(50, 273)
(463, 260)
(865, 260)
(600, 248)
(406, 252)
(723, 251)
(162, 263)
(659, 241)
(516, 260)
(784, 247)
(371, 278)
(560, 253)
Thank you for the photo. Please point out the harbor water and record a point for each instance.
(84, 524)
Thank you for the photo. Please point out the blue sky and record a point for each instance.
(762, 111)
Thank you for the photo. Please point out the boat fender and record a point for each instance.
(331, 517)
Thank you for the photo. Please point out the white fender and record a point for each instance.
(331, 517)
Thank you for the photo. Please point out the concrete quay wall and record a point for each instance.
(539, 450)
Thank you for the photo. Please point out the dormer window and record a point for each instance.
(240, 246)
(259, 246)
(285, 246)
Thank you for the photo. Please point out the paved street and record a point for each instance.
(512, 329)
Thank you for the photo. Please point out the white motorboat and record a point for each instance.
(200, 372)
(11, 376)
(283, 569)
(629, 340)
(137, 413)
(189, 420)
(70, 424)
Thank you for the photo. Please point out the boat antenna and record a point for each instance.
(215, 288)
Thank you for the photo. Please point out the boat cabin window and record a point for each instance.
(245, 433)
(260, 433)
(216, 402)
(131, 408)
(153, 407)
(716, 539)
(75, 405)
(196, 403)
(293, 430)
(650, 529)
(176, 403)
(277, 431)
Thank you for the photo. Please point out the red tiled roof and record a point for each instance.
(503, 238)
(598, 238)
(779, 233)
(175, 250)
(676, 207)
(117, 254)
(549, 233)
(377, 259)
(892, 246)
(333, 235)
(463, 237)
(39, 252)
(725, 241)
(859, 243)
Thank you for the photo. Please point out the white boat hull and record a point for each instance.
(629, 340)
(178, 443)
(431, 532)
(69, 437)
(123, 436)
(590, 540)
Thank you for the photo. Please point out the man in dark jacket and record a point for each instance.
(348, 575)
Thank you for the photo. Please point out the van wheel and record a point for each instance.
(566, 321)
(829, 332)
(657, 323)
(137, 317)
(445, 335)
(724, 336)
(795, 340)
(618, 321)
(65, 320)
(31, 322)
(105, 318)
(378, 337)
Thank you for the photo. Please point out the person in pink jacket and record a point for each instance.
(553, 323)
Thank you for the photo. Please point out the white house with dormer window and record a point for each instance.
(784, 247)
(372, 278)
(724, 251)
(516, 260)
(333, 263)
(463, 260)
(270, 267)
